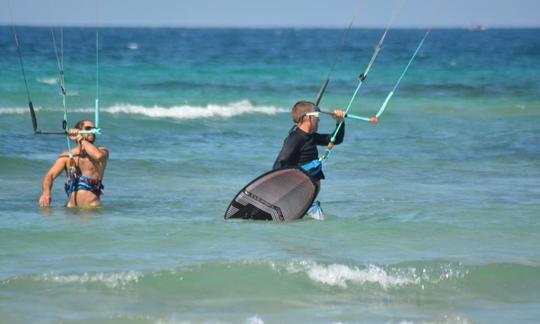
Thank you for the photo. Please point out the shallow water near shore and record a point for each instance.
(432, 215)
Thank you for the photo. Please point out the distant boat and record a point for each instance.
(476, 27)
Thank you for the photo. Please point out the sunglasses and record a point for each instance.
(314, 114)
(87, 128)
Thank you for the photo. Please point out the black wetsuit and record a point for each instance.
(300, 148)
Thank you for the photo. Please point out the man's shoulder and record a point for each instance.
(295, 137)
(104, 149)
(299, 134)
(65, 155)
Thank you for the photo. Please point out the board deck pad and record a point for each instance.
(279, 195)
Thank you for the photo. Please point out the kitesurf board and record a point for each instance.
(279, 195)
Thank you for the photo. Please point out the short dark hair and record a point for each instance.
(80, 123)
(300, 109)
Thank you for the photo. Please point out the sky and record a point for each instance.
(270, 13)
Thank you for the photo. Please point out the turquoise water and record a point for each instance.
(432, 215)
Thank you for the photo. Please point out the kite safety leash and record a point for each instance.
(23, 72)
(97, 129)
(361, 78)
(60, 63)
(375, 119)
(336, 60)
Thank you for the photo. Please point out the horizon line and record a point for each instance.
(479, 27)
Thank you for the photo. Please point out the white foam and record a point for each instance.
(176, 112)
(111, 280)
(49, 81)
(452, 318)
(339, 275)
(193, 112)
(132, 46)
(16, 111)
(254, 320)
(171, 321)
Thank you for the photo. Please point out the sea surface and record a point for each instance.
(432, 215)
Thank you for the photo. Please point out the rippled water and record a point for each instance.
(432, 215)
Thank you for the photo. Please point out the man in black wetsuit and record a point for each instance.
(300, 147)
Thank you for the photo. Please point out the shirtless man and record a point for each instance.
(84, 167)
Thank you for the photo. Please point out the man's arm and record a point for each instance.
(340, 134)
(53, 173)
(95, 153)
(324, 139)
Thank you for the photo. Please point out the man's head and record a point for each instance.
(86, 125)
(304, 115)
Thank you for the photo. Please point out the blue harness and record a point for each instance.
(78, 182)
(313, 167)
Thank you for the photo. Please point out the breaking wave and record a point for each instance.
(510, 282)
(176, 112)
(49, 81)
(192, 112)
(111, 280)
(340, 275)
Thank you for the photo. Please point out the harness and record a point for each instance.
(76, 181)
(313, 167)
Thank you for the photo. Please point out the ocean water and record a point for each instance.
(432, 215)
